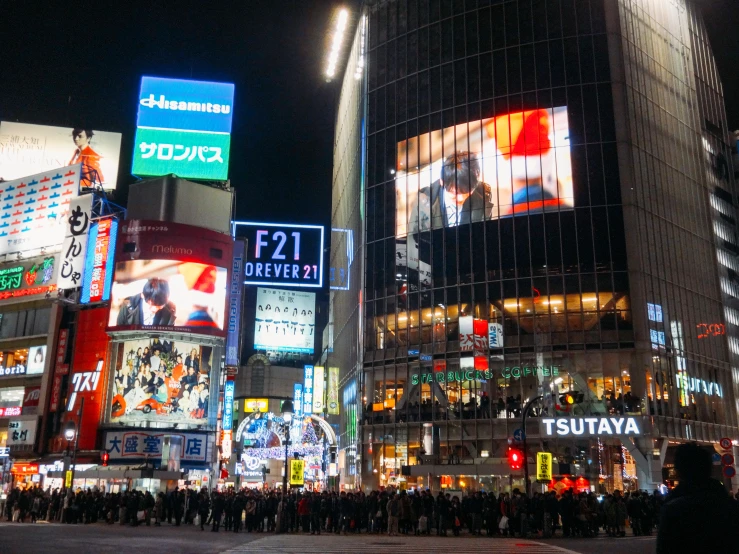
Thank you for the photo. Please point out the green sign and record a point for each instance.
(11, 278)
(517, 372)
(187, 154)
(450, 376)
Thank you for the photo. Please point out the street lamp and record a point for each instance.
(287, 417)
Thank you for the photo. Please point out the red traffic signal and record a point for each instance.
(515, 458)
(105, 457)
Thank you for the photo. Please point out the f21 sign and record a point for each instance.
(282, 254)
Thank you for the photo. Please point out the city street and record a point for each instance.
(102, 538)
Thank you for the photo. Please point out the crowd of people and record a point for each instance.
(391, 512)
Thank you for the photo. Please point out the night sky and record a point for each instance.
(79, 64)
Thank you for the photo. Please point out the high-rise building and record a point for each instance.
(541, 202)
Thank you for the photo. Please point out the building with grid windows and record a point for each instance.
(541, 201)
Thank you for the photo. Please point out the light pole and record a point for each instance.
(287, 416)
(525, 449)
(71, 434)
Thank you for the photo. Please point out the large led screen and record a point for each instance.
(158, 380)
(26, 149)
(512, 164)
(285, 321)
(168, 295)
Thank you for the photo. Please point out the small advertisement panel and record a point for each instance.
(183, 127)
(26, 149)
(34, 210)
(28, 277)
(127, 445)
(24, 361)
(282, 254)
(170, 277)
(285, 321)
(162, 381)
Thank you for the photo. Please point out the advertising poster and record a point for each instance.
(162, 381)
(26, 149)
(34, 210)
(235, 305)
(333, 391)
(183, 127)
(285, 321)
(513, 164)
(318, 389)
(170, 277)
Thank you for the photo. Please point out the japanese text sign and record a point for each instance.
(543, 466)
(297, 472)
(74, 249)
(141, 444)
(99, 263)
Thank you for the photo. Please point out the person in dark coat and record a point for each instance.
(698, 515)
(218, 506)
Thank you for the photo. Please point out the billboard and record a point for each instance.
(170, 277)
(28, 277)
(24, 361)
(162, 381)
(128, 445)
(282, 254)
(285, 321)
(513, 164)
(34, 210)
(26, 149)
(183, 127)
(99, 260)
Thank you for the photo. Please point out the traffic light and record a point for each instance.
(571, 398)
(105, 457)
(515, 458)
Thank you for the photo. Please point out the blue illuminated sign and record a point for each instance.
(99, 261)
(308, 390)
(280, 254)
(228, 405)
(298, 400)
(233, 342)
(186, 105)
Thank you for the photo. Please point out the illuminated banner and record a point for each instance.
(308, 390)
(170, 277)
(543, 466)
(228, 405)
(26, 149)
(285, 321)
(33, 365)
(99, 262)
(589, 426)
(183, 127)
(74, 249)
(333, 390)
(298, 400)
(252, 405)
(126, 445)
(163, 381)
(34, 210)
(235, 305)
(28, 278)
(282, 254)
(451, 376)
(318, 389)
(297, 472)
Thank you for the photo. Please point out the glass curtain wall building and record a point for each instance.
(546, 206)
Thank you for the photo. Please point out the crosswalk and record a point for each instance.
(374, 544)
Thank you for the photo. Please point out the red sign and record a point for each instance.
(10, 412)
(61, 352)
(31, 398)
(100, 257)
(729, 471)
(24, 469)
(725, 443)
(56, 392)
(727, 460)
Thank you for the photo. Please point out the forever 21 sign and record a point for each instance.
(282, 254)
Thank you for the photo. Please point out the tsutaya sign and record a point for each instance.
(589, 426)
(450, 376)
(693, 384)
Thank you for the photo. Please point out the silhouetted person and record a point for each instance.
(698, 515)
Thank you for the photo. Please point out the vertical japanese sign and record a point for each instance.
(298, 400)
(60, 370)
(74, 248)
(308, 390)
(333, 390)
(318, 389)
(235, 303)
(466, 334)
(228, 405)
(297, 472)
(99, 262)
(543, 466)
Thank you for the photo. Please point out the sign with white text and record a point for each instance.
(285, 321)
(590, 426)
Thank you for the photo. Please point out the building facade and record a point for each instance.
(545, 206)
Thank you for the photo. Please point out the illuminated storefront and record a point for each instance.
(508, 255)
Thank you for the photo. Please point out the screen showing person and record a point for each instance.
(167, 293)
(154, 381)
(36, 359)
(507, 165)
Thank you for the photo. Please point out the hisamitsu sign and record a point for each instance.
(590, 426)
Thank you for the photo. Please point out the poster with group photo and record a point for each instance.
(285, 321)
(163, 381)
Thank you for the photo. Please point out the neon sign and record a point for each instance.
(706, 330)
(450, 376)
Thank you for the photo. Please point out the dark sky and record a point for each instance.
(79, 64)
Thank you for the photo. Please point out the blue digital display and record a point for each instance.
(187, 105)
(228, 405)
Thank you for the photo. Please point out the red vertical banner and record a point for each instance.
(480, 327)
(60, 369)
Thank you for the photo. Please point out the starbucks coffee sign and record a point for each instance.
(589, 426)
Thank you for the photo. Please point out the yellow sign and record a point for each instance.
(297, 467)
(252, 405)
(543, 466)
(318, 389)
(68, 479)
